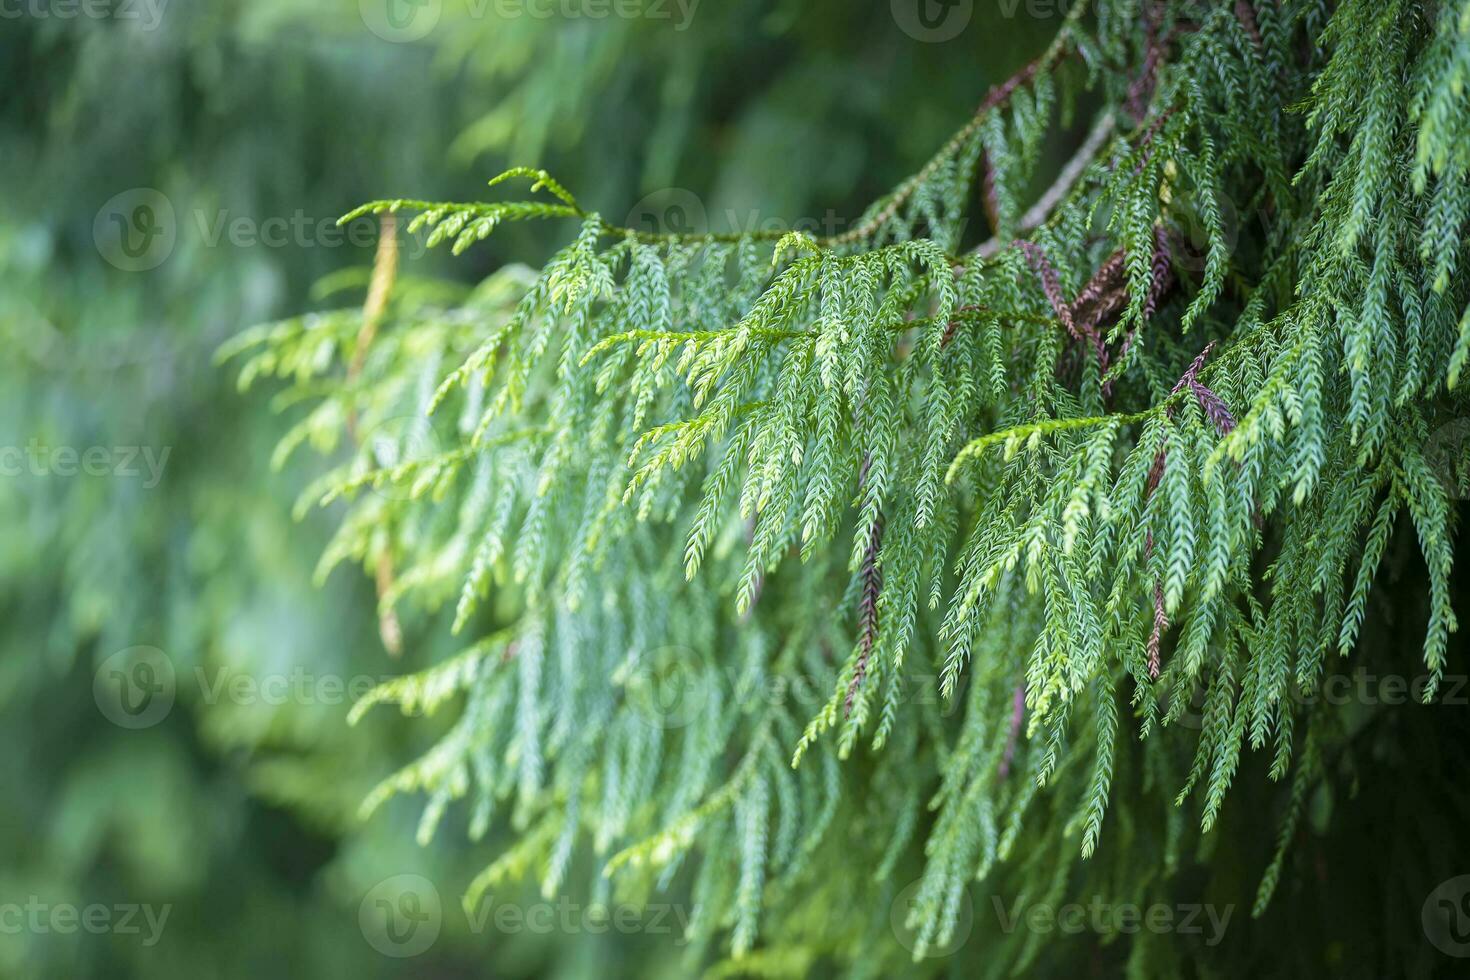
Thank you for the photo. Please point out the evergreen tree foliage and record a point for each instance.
(994, 537)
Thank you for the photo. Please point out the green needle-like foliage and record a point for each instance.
(793, 569)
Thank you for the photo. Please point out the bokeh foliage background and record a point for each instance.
(242, 814)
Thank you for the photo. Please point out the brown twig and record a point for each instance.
(385, 272)
(998, 96)
(1155, 638)
(1217, 412)
(868, 612)
(1018, 713)
(1246, 14)
(1038, 213)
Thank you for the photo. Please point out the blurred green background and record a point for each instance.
(172, 174)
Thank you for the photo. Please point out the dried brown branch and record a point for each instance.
(1038, 213)
(385, 272)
